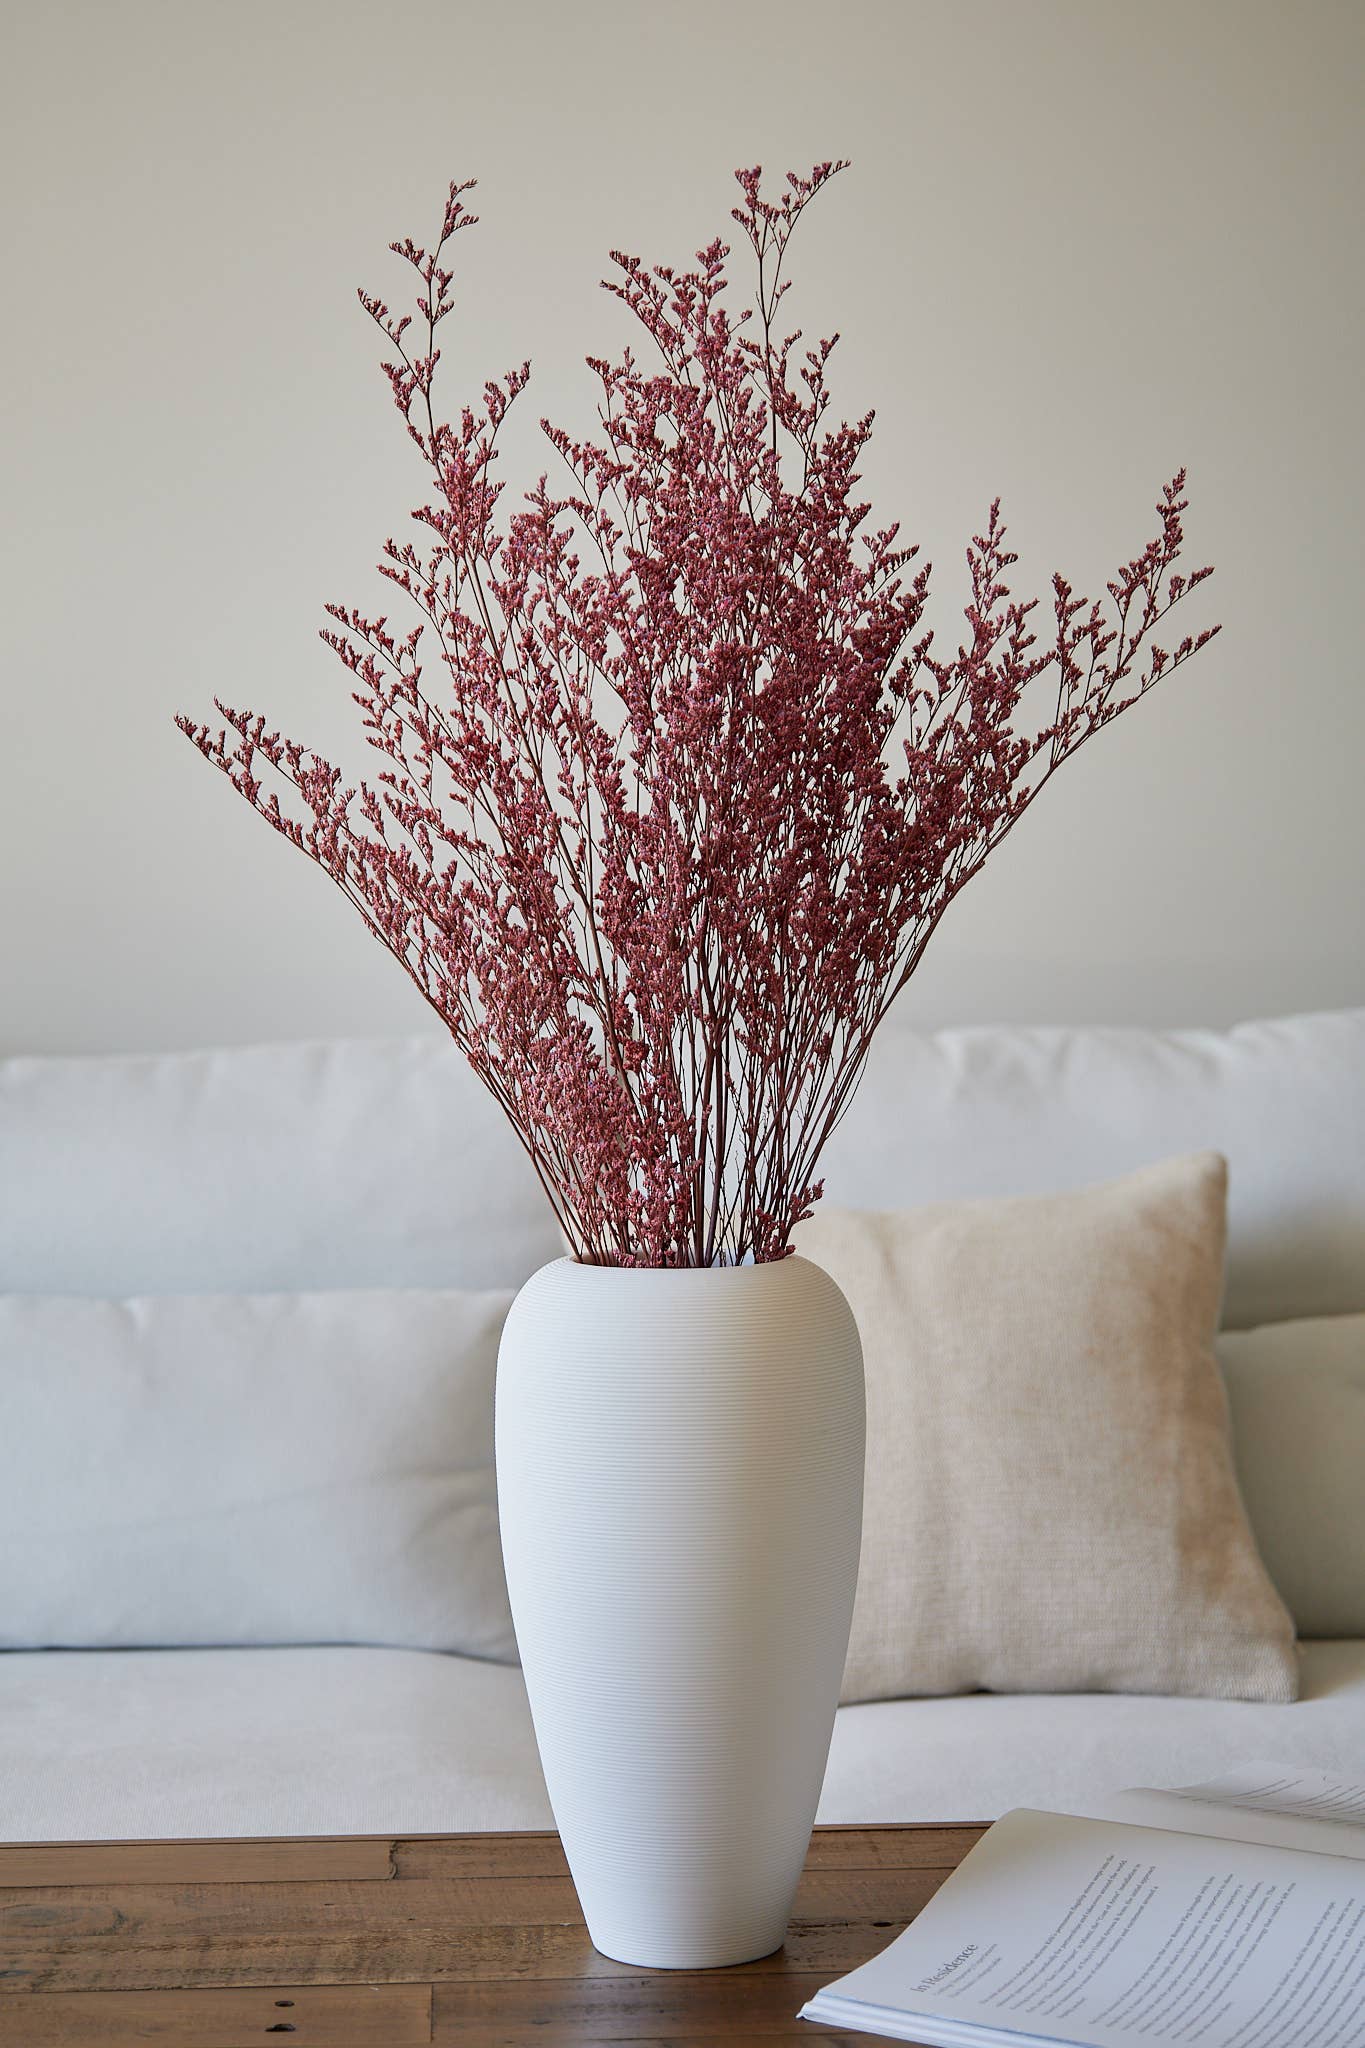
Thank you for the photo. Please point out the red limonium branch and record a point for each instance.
(677, 784)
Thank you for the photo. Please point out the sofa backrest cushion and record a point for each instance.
(1297, 1394)
(384, 1163)
(242, 1469)
(354, 1164)
(1016, 1112)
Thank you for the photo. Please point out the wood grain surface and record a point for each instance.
(379, 1942)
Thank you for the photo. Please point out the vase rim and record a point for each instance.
(727, 1270)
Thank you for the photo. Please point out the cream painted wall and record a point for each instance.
(1081, 244)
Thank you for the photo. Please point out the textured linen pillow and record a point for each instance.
(1297, 1392)
(1051, 1504)
(242, 1469)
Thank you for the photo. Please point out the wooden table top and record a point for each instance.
(373, 1942)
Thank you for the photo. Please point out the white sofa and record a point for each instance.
(382, 1165)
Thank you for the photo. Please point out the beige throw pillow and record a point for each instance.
(1051, 1501)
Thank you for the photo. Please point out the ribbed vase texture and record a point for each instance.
(680, 1475)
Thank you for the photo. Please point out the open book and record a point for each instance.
(1225, 1915)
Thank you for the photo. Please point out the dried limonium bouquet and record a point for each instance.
(677, 785)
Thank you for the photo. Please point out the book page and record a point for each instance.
(1083, 1931)
(1259, 1802)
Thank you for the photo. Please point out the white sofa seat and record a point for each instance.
(977, 1756)
(115, 1745)
(108, 1745)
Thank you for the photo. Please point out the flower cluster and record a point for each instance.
(677, 784)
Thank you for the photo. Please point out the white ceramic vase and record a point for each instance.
(680, 1478)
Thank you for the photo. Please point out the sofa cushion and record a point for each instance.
(118, 1745)
(1297, 1393)
(122, 1744)
(1050, 1503)
(262, 1168)
(1021, 1112)
(385, 1164)
(251, 1469)
(948, 1759)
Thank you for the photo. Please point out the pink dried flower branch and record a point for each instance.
(693, 786)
